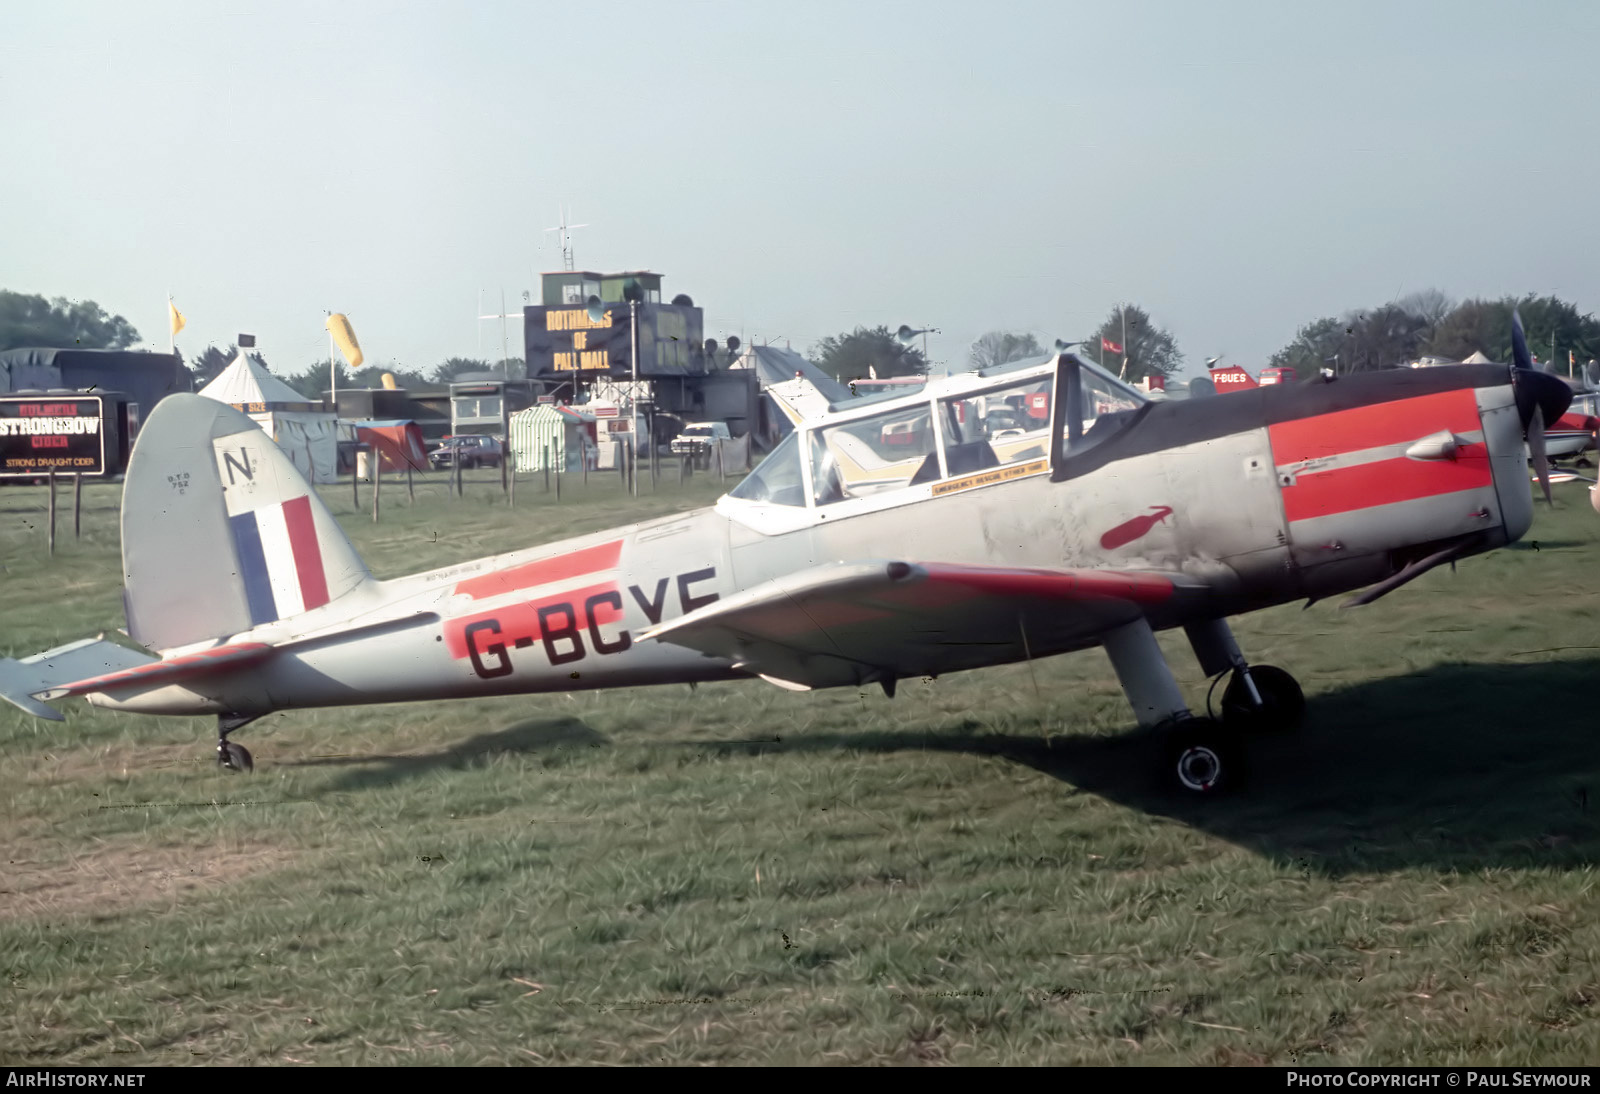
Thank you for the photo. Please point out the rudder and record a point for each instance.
(220, 532)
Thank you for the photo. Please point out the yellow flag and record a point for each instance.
(339, 327)
(177, 317)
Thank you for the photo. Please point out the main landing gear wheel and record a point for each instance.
(1283, 704)
(1204, 757)
(234, 757)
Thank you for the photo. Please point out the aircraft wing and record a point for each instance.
(850, 623)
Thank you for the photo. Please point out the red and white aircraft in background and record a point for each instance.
(1235, 378)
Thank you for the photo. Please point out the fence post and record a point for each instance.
(77, 501)
(377, 486)
(511, 489)
(546, 462)
(456, 459)
(504, 481)
(52, 511)
(411, 491)
(355, 481)
(558, 480)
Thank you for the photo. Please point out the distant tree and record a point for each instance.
(1317, 346)
(446, 371)
(1146, 349)
(1428, 323)
(209, 365)
(315, 379)
(999, 346)
(1484, 326)
(1383, 338)
(60, 324)
(863, 352)
(372, 376)
(1429, 305)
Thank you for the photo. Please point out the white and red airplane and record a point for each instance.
(1008, 514)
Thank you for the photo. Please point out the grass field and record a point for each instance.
(980, 871)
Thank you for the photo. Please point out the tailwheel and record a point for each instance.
(234, 757)
(1204, 757)
(1283, 704)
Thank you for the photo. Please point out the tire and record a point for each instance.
(1203, 758)
(235, 757)
(1283, 703)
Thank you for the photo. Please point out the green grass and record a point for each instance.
(980, 871)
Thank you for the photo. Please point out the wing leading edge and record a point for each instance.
(855, 623)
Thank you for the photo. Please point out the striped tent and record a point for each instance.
(562, 433)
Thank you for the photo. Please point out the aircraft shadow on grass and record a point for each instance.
(1459, 767)
(1464, 766)
(374, 770)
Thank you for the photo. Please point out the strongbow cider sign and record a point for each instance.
(44, 433)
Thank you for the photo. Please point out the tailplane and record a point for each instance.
(220, 533)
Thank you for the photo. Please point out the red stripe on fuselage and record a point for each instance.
(542, 572)
(307, 554)
(1384, 482)
(1400, 421)
(520, 622)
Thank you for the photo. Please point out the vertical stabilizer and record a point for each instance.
(220, 533)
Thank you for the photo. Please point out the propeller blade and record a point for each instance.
(1520, 358)
(1541, 461)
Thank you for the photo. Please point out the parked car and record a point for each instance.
(698, 438)
(473, 450)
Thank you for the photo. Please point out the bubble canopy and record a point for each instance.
(903, 446)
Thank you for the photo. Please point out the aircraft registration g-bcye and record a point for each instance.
(1008, 514)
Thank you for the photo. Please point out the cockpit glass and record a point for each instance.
(776, 480)
(870, 455)
(1106, 406)
(1000, 426)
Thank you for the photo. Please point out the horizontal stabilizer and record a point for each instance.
(21, 682)
(169, 671)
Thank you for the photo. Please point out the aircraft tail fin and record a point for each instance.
(220, 532)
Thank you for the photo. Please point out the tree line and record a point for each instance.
(1430, 324)
(1127, 343)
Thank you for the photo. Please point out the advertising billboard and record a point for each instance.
(63, 432)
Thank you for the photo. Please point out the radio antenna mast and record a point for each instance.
(566, 238)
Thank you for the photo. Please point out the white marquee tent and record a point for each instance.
(306, 433)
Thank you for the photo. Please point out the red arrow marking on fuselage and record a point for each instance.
(1131, 530)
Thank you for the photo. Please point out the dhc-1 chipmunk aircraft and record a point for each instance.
(991, 517)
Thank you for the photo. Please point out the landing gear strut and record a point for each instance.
(231, 756)
(1198, 755)
(1277, 705)
(1259, 698)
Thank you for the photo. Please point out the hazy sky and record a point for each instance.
(798, 168)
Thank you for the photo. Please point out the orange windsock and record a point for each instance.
(345, 339)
